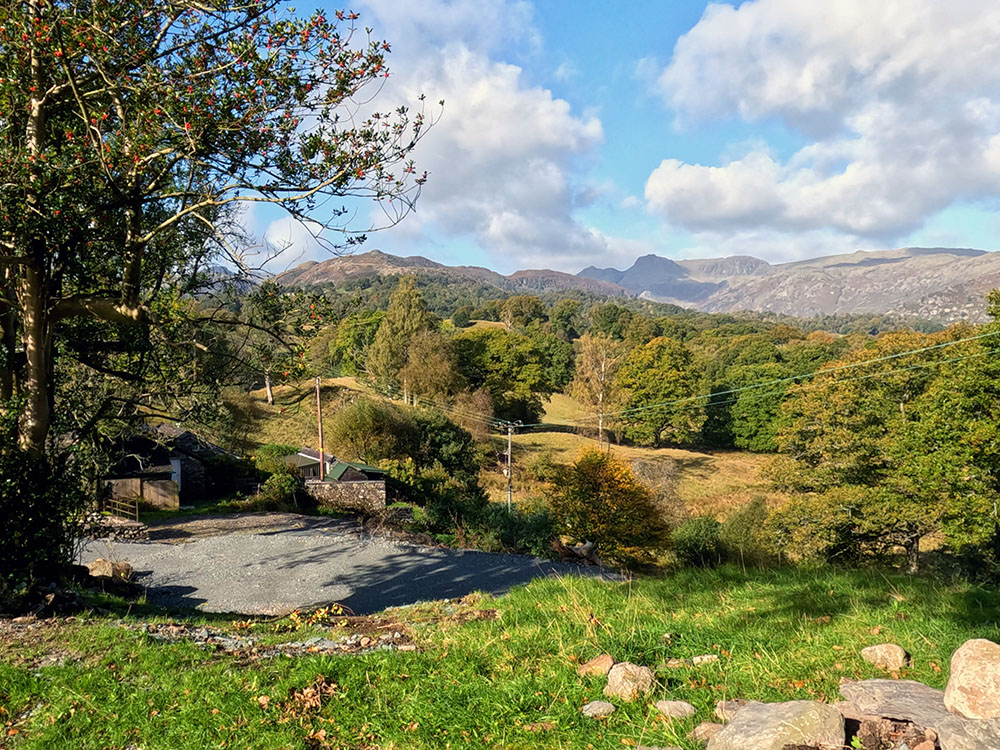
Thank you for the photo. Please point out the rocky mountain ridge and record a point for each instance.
(943, 284)
(343, 268)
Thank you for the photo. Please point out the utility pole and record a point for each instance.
(510, 445)
(319, 424)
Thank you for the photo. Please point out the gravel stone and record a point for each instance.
(272, 563)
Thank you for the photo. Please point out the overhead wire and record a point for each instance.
(583, 421)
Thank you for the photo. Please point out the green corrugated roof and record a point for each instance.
(338, 469)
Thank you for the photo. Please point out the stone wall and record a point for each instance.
(368, 496)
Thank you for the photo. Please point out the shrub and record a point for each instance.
(696, 542)
(598, 499)
(528, 528)
(270, 458)
(741, 534)
(41, 504)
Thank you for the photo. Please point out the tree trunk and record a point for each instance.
(37, 416)
(33, 290)
(267, 387)
(912, 548)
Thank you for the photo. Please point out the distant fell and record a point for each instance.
(935, 283)
(343, 268)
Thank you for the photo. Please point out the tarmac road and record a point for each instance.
(274, 563)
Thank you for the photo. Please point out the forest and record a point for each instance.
(877, 439)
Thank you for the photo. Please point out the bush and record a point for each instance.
(696, 542)
(598, 499)
(41, 504)
(741, 534)
(270, 458)
(529, 528)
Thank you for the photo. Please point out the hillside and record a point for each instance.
(942, 284)
(939, 284)
(343, 268)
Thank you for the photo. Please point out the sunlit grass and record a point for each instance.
(508, 682)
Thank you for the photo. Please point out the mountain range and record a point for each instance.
(943, 284)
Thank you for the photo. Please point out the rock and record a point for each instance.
(906, 700)
(704, 659)
(974, 687)
(676, 663)
(675, 709)
(102, 568)
(705, 731)
(886, 656)
(597, 710)
(628, 681)
(599, 666)
(726, 710)
(771, 726)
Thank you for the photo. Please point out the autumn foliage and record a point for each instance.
(598, 499)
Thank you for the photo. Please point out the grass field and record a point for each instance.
(706, 483)
(505, 678)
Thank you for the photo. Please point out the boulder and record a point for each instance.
(772, 726)
(923, 706)
(974, 687)
(675, 709)
(102, 568)
(597, 710)
(726, 710)
(599, 665)
(628, 681)
(705, 731)
(886, 656)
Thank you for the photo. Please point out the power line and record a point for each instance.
(850, 365)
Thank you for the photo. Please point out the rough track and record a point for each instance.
(273, 563)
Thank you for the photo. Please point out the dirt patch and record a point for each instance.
(31, 642)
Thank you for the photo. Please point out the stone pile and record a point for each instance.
(882, 714)
(99, 526)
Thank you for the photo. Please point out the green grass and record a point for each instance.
(508, 682)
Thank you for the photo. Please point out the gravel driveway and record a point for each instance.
(273, 563)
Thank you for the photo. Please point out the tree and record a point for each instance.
(897, 451)
(754, 412)
(131, 134)
(597, 360)
(405, 317)
(133, 130)
(520, 310)
(274, 337)
(430, 368)
(462, 316)
(598, 499)
(656, 383)
(610, 319)
(510, 366)
(565, 319)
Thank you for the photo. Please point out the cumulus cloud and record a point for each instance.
(899, 101)
(502, 159)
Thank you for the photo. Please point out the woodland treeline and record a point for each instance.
(884, 435)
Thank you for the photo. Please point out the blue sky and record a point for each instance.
(578, 133)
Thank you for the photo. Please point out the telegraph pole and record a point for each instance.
(510, 476)
(319, 424)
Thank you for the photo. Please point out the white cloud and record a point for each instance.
(503, 159)
(898, 98)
